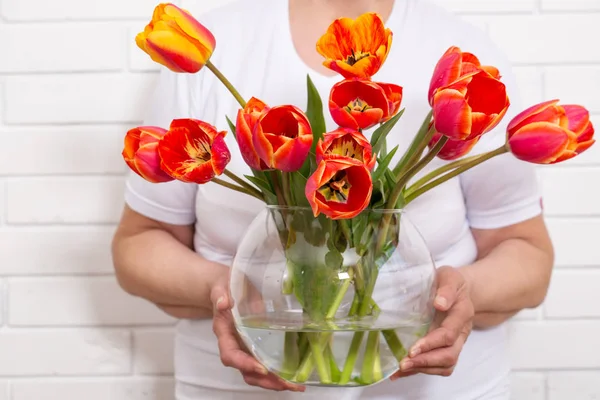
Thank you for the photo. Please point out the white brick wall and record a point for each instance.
(72, 81)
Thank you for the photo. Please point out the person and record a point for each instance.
(176, 241)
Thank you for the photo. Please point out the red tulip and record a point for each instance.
(346, 143)
(453, 149)
(246, 122)
(193, 151)
(394, 96)
(453, 65)
(340, 189)
(548, 133)
(470, 107)
(358, 104)
(175, 39)
(141, 153)
(282, 138)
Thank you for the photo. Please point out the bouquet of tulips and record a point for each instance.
(295, 162)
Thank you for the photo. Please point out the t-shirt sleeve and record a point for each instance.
(172, 202)
(504, 190)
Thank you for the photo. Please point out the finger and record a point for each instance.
(457, 322)
(271, 382)
(230, 351)
(402, 374)
(219, 298)
(450, 282)
(446, 357)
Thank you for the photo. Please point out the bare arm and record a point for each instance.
(512, 271)
(156, 261)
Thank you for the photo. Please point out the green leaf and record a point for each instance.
(379, 136)
(264, 186)
(384, 164)
(378, 198)
(314, 113)
(231, 126)
(334, 259)
(297, 187)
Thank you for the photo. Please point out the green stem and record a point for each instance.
(318, 357)
(441, 170)
(291, 355)
(370, 372)
(235, 187)
(243, 183)
(418, 192)
(340, 295)
(277, 188)
(351, 358)
(431, 154)
(285, 183)
(416, 147)
(394, 344)
(227, 84)
(346, 231)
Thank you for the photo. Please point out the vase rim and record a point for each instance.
(302, 208)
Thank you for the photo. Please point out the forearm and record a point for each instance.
(512, 276)
(156, 266)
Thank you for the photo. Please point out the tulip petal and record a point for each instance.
(581, 147)
(518, 120)
(446, 71)
(192, 27)
(369, 33)
(539, 142)
(220, 155)
(147, 163)
(244, 140)
(368, 118)
(180, 55)
(451, 114)
(342, 117)
(336, 43)
(578, 118)
(292, 154)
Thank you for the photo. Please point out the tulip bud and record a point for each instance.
(141, 153)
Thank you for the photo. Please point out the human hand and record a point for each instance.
(232, 350)
(437, 353)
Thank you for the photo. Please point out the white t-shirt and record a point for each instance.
(255, 51)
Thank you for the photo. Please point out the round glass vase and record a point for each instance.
(332, 302)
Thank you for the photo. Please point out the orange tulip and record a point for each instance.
(340, 189)
(356, 48)
(470, 106)
(246, 122)
(193, 151)
(282, 138)
(358, 104)
(548, 133)
(453, 65)
(346, 143)
(141, 153)
(394, 96)
(176, 40)
(453, 149)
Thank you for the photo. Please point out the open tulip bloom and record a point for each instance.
(294, 162)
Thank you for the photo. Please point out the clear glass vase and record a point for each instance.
(332, 303)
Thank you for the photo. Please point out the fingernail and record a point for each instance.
(440, 301)
(219, 301)
(406, 365)
(415, 351)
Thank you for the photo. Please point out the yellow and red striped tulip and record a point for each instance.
(340, 189)
(356, 48)
(453, 149)
(193, 151)
(394, 96)
(175, 39)
(141, 153)
(547, 133)
(346, 143)
(470, 106)
(358, 104)
(453, 65)
(282, 138)
(247, 119)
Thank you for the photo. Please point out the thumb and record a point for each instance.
(450, 281)
(219, 298)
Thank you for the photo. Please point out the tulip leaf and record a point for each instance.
(231, 126)
(298, 186)
(379, 136)
(378, 198)
(264, 186)
(383, 164)
(314, 112)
